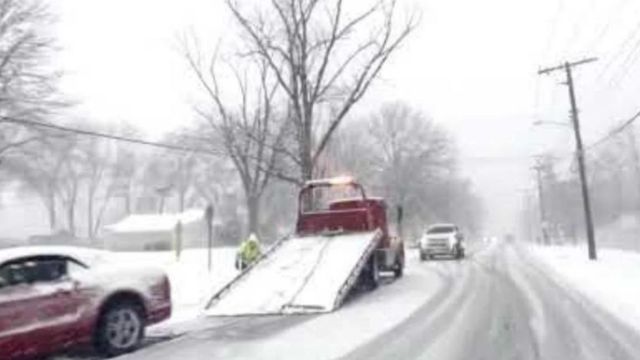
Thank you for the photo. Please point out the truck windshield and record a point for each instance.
(321, 198)
(441, 230)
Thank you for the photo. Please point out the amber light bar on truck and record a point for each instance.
(334, 181)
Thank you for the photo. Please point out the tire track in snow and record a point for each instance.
(594, 333)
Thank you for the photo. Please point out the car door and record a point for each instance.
(18, 315)
(59, 302)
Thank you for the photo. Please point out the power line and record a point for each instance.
(615, 131)
(627, 41)
(32, 123)
(554, 25)
(605, 29)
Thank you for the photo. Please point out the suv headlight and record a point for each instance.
(424, 241)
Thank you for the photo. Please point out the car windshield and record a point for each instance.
(326, 179)
(441, 229)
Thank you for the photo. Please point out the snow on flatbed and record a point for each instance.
(305, 274)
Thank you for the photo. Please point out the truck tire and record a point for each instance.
(373, 274)
(398, 269)
(120, 328)
(423, 256)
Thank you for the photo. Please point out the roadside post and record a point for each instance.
(178, 239)
(209, 221)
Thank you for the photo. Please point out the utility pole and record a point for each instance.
(591, 241)
(543, 214)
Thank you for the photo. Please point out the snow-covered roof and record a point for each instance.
(80, 253)
(155, 222)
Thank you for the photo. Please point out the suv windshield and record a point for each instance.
(441, 230)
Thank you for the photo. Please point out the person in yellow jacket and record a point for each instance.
(248, 252)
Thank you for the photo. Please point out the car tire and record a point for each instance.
(120, 328)
(423, 256)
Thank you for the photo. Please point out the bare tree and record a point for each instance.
(37, 167)
(27, 83)
(69, 180)
(247, 131)
(322, 52)
(411, 161)
(411, 150)
(102, 167)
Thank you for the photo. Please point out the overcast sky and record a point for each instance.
(471, 65)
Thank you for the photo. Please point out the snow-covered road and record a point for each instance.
(499, 303)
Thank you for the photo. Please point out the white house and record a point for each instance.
(146, 232)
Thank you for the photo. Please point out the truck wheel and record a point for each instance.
(398, 271)
(373, 274)
(120, 328)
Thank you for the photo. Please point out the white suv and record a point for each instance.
(442, 239)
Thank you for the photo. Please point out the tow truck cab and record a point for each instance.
(320, 214)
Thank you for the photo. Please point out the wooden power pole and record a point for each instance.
(541, 205)
(591, 241)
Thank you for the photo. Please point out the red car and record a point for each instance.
(53, 298)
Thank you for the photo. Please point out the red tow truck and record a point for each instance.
(342, 238)
(356, 214)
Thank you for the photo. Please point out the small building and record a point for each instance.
(149, 232)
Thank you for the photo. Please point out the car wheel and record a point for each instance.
(120, 329)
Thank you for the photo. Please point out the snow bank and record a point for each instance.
(611, 281)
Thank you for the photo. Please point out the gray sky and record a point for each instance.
(471, 66)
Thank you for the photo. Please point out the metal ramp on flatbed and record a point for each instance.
(309, 274)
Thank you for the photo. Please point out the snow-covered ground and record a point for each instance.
(611, 281)
(191, 283)
(326, 336)
(359, 321)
